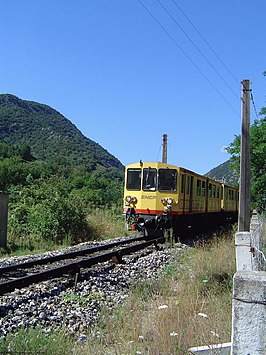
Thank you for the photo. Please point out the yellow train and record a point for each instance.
(159, 196)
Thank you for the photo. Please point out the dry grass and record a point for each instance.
(105, 224)
(102, 224)
(190, 305)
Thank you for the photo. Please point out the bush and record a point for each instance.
(47, 212)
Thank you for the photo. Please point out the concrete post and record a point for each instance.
(256, 237)
(218, 349)
(249, 313)
(243, 255)
(3, 218)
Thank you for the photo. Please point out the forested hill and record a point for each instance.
(225, 173)
(49, 134)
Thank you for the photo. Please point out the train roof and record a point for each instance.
(145, 164)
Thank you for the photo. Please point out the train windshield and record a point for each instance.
(149, 179)
(167, 180)
(133, 179)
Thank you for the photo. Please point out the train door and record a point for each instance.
(207, 196)
(191, 194)
(183, 192)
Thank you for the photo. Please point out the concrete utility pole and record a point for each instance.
(244, 198)
(164, 158)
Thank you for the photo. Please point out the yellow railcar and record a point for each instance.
(230, 198)
(160, 196)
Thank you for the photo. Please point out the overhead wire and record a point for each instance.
(159, 152)
(213, 51)
(254, 106)
(186, 55)
(251, 98)
(198, 49)
(206, 42)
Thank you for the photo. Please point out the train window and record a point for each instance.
(210, 190)
(182, 183)
(198, 187)
(188, 184)
(218, 192)
(213, 191)
(133, 179)
(167, 180)
(203, 188)
(149, 179)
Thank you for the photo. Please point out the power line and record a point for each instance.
(251, 98)
(199, 50)
(206, 42)
(213, 51)
(187, 56)
(254, 106)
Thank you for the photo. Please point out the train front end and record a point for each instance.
(150, 197)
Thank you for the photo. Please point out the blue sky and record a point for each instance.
(125, 75)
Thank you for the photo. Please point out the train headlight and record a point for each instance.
(130, 200)
(134, 200)
(164, 201)
(170, 201)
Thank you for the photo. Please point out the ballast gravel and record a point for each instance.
(65, 304)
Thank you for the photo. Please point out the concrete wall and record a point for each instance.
(249, 313)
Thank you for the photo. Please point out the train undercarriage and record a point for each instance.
(178, 226)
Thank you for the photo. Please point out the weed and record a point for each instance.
(35, 341)
(82, 300)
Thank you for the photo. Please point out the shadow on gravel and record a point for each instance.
(193, 235)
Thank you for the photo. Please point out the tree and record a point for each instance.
(258, 160)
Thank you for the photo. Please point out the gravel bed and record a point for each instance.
(57, 304)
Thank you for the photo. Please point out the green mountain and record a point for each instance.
(225, 173)
(49, 134)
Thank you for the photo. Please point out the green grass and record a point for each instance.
(35, 341)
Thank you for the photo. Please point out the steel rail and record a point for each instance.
(58, 271)
(69, 255)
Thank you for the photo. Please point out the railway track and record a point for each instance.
(24, 274)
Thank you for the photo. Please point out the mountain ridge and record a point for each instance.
(224, 173)
(50, 135)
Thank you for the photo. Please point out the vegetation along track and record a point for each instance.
(15, 276)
